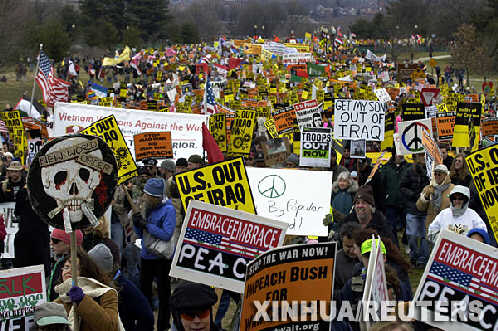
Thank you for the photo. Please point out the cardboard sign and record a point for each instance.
(302, 273)
(108, 129)
(410, 136)
(483, 166)
(270, 127)
(7, 210)
(153, 144)
(223, 184)
(22, 290)
(376, 284)
(412, 111)
(467, 122)
(285, 119)
(186, 133)
(382, 95)
(218, 129)
(432, 148)
(309, 114)
(462, 270)
(276, 151)
(359, 119)
(428, 95)
(34, 146)
(315, 147)
(489, 126)
(298, 197)
(445, 127)
(216, 244)
(241, 132)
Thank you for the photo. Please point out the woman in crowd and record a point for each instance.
(343, 192)
(459, 171)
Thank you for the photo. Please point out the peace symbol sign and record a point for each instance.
(415, 144)
(272, 186)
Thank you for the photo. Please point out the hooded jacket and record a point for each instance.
(342, 200)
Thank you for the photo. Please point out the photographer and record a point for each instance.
(13, 183)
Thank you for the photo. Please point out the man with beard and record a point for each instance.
(158, 218)
(13, 183)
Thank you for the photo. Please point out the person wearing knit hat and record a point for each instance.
(181, 165)
(479, 235)
(168, 168)
(60, 242)
(195, 161)
(102, 257)
(158, 218)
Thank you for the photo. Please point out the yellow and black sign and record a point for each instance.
(467, 125)
(13, 122)
(223, 184)
(389, 131)
(270, 126)
(483, 166)
(241, 131)
(108, 130)
(218, 129)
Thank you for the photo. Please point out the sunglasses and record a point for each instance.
(55, 241)
(457, 197)
(191, 315)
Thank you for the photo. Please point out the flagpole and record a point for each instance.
(34, 80)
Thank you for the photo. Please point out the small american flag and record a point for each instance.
(218, 242)
(54, 89)
(461, 279)
(211, 107)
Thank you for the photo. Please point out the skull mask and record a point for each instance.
(70, 183)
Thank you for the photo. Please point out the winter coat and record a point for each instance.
(445, 220)
(378, 223)
(465, 181)
(161, 223)
(342, 200)
(134, 308)
(99, 308)
(392, 174)
(427, 205)
(412, 183)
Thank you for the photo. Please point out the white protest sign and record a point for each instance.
(309, 114)
(315, 147)
(22, 290)
(359, 119)
(382, 95)
(186, 133)
(7, 210)
(297, 58)
(410, 136)
(216, 244)
(34, 146)
(460, 271)
(298, 197)
(430, 111)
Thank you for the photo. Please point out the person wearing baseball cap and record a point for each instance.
(459, 217)
(435, 196)
(158, 218)
(365, 213)
(51, 316)
(150, 166)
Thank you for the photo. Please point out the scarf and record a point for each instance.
(457, 212)
(438, 194)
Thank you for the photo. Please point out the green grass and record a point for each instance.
(12, 90)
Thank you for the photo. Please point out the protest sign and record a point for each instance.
(297, 58)
(223, 184)
(428, 95)
(186, 133)
(12, 120)
(388, 131)
(489, 126)
(270, 127)
(218, 129)
(22, 290)
(467, 122)
(309, 114)
(382, 95)
(297, 273)
(153, 145)
(483, 166)
(7, 210)
(358, 149)
(459, 283)
(285, 119)
(315, 147)
(359, 119)
(432, 148)
(410, 136)
(412, 111)
(108, 130)
(430, 111)
(34, 146)
(276, 151)
(216, 244)
(445, 127)
(241, 131)
(298, 197)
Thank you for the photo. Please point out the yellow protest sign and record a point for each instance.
(241, 131)
(467, 125)
(270, 126)
(108, 130)
(483, 166)
(223, 184)
(218, 129)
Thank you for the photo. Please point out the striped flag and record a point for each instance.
(54, 89)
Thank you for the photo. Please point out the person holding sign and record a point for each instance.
(459, 217)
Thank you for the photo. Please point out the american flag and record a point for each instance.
(464, 280)
(210, 105)
(54, 89)
(218, 242)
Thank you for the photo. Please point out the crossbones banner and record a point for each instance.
(71, 181)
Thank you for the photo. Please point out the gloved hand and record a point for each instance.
(328, 219)
(138, 220)
(76, 294)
